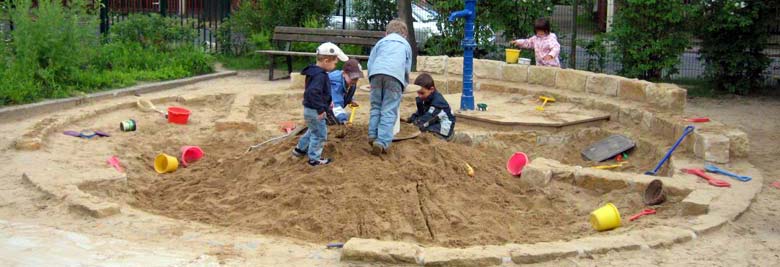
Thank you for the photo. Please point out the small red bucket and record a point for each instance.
(178, 115)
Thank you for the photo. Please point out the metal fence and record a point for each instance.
(205, 16)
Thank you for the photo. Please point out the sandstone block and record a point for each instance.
(454, 86)
(739, 144)
(488, 69)
(542, 75)
(515, 73)
(632, 89)
(667, 96)
(696, 203)
(455, 65)
(663, 236)
(540, 252)
(602, 84)
(432, 64)
(713, 147)
(370, 250)
(574, 80)
(537, 175)
(438, 256)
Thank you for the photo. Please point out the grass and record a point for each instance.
(248, 62)
(695, 87)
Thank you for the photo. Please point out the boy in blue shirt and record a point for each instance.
(316, 104)
(388, 71)
(433, 112)
(343, 84)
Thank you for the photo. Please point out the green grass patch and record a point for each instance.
(695, 87)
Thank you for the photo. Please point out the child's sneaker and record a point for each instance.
(376, 149)
(298, 153)
(320, 162)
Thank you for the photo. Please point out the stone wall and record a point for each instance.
(653, 107)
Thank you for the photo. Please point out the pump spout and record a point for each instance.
(460, 14)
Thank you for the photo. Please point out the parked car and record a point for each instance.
(424, 23)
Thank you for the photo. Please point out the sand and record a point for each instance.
(418, 192)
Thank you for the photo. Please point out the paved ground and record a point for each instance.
(36, 230)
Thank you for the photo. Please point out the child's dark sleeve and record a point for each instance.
(434, 113)
(316, 95)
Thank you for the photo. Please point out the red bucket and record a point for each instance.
(178, 115)
(516, 163)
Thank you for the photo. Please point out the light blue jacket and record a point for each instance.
(391, 56)
(338, 93)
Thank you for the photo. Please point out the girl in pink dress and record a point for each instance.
(544, 43)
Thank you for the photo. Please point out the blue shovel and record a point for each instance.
(713, 169)
(688, 130)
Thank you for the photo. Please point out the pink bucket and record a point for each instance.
(190, 154)
(516, 163)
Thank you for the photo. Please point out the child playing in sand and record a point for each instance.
(544, 43)
(433, 112)
(389, 65)
(343, 84)
(316, 103)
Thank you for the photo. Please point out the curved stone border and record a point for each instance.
(23, 111)
(709, 207)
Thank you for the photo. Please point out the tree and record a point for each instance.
(650, 36)
(405, 13)
(734, 36)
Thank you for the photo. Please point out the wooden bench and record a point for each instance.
(287, 35)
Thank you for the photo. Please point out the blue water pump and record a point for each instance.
(468, 43)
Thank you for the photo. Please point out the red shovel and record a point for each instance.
(643, 213)
(702, 119)
(710, 180)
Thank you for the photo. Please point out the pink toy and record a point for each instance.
(516, 163)
(114, 162)
(190, 154)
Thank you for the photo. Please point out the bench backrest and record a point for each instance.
(356, 37)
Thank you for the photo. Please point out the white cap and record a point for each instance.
(331, 49)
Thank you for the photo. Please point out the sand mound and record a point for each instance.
(418, 192)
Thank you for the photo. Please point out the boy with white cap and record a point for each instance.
(316, 103)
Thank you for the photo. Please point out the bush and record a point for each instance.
(650, 36)
(734, 36)
(55, 52)
(234, 34)
(152, 30)
(49, 45)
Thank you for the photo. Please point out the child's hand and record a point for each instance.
(548, 58)
(321, 116)
(354, 104)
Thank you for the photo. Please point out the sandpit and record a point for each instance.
(420, 192)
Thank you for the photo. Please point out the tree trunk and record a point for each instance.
(405, 13)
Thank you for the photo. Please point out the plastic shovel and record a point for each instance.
(643, 213)
(710, 180)
(713, 169)
(688, 130)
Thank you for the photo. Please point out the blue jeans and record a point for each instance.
(314, 138)
(386, 94)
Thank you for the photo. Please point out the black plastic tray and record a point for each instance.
(608, 148)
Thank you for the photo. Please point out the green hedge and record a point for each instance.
(56, 52)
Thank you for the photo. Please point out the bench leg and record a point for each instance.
(271, 68)
(289, 65)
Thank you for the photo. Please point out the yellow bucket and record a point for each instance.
(512, 55)
(165, 163)
(605, 218)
